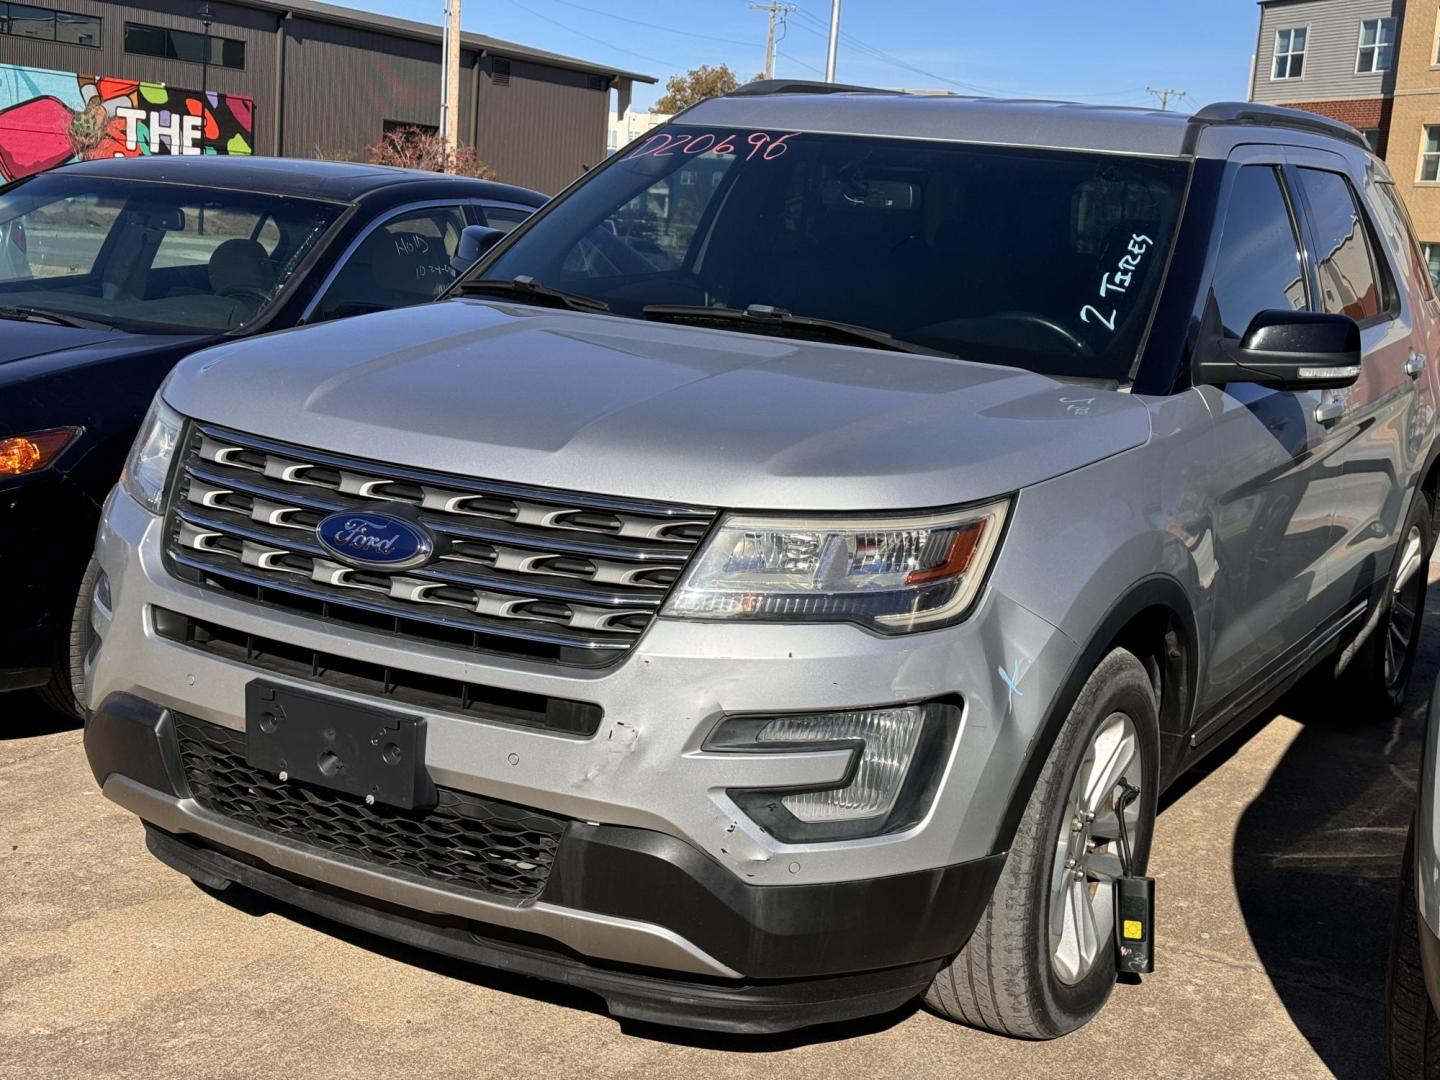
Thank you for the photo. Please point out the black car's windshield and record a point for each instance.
(151, 258)
(1048, 260)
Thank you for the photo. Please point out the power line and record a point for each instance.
(652, 25)
(628, 52)
(1164, 96)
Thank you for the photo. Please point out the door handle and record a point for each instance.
(1329, 409)
(1414, 364)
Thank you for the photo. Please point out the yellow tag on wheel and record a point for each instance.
(1132, 930)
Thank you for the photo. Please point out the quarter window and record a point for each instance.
(1346, 266)
(1289, 53)
(1377, 46)
(1399, 232)
(1258, 265)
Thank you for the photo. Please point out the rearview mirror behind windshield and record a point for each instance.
(1287, 350)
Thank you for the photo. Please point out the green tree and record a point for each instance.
(697, 84)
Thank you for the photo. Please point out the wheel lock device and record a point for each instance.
(1134, 899)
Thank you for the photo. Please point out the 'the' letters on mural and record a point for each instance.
(50, 117)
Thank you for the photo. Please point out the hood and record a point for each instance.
(649, 410)
(22, 340)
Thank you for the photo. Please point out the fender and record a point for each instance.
(1158, 590)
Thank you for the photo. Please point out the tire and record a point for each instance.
(1412, 1030)
(1378, 678)
(1006, 979)
(65, 692)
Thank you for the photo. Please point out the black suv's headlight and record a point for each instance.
(893, 574)
(897, 754)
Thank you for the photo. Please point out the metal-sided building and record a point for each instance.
(92, 78)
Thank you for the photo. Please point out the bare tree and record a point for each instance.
(416, 148)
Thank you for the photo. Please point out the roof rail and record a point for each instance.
(1248, 112)
(802, 86)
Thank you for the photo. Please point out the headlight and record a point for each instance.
(894, 575)
(896, 754)
(149, 462)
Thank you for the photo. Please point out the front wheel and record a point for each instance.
(65, 692)
(1041, 961)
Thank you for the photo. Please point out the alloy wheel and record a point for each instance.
(1402, 623)
(1087, 851)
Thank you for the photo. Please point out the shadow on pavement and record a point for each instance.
(23, 715)
(1316, 862)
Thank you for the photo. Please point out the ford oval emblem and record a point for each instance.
(374, 540)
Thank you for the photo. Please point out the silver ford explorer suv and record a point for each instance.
(782, 577)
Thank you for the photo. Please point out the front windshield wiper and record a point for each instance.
(29, 314)
(529, 291)
(764, 318)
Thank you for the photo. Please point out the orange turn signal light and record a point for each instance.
(21, 454)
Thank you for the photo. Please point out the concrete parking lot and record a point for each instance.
(1276, 867)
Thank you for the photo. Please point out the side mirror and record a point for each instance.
(475, 241)
(1288, 350)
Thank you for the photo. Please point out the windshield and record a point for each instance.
(152, 258)
(1047, 260)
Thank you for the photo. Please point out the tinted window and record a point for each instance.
(1258, 267)
(1348, 285)
(1041, 259)
(1396, 227)
(405, 261)
(504, 218)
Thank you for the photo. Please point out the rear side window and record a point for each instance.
(1400, 235)
(1258, 266)
(1348, 281)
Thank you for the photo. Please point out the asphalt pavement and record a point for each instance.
(1276, 866)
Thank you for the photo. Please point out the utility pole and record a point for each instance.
(450, 79)
(778, 11)
(834, 40)
(1164, 96)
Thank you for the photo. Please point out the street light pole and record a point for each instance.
(207, 18)
(834, 40)
(450, 78)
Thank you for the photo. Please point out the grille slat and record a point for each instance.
(528, 569)
(496, 848)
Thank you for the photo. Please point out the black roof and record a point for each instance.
(341, 180)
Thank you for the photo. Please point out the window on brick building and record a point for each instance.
(1289, 53)
(1432, 261)
(1377, 46)
(1430, 153)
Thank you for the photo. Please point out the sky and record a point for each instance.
(1103, 51)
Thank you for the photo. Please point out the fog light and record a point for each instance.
(21, 454)
(896, 756)
(887, 740)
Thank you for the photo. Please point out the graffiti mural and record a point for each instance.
(50, 117)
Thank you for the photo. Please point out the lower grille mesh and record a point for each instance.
(465, 840)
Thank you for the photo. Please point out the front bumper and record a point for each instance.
(720, 954)
(660, 871)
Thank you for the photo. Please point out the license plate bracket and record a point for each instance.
(355, 749)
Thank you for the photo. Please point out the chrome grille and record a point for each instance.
(544, 573)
